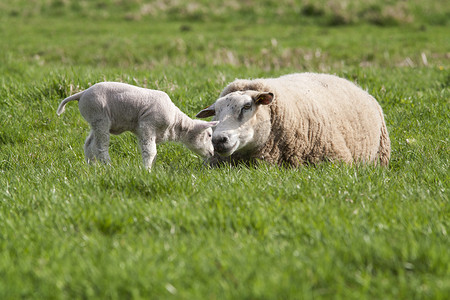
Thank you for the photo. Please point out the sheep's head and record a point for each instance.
(243, 125)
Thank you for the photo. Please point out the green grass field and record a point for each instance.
(185, 231)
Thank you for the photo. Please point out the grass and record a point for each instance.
(183, 231)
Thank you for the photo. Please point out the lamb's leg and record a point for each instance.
(88, 151)
(147, 143)
(100, 142)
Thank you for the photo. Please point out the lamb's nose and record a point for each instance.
(219, 139)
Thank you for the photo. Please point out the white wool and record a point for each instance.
(296, 119)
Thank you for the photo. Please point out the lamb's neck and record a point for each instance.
(182, 125)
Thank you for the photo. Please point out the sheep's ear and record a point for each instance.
(264, 98)
(207, 112)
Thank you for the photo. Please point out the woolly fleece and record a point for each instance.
(315, 117)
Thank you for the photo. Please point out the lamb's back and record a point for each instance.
(126, 106)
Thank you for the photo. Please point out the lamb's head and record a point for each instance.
(244, 121)
(198, 139)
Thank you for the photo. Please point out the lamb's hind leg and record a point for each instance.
(88, 148)
(97, 143)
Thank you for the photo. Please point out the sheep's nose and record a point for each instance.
(219, 140)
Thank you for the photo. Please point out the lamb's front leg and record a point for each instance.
(147, 143)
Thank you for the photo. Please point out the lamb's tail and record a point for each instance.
(384, 151)
(62, 105)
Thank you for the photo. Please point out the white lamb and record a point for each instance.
(297, 119)
(113, 107)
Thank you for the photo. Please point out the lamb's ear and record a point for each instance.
(264, 98)
(207, 112)
(203, 125)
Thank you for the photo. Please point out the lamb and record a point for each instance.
(296, 119)
(113, 107)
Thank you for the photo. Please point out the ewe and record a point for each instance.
(113, 107)
(296, 119)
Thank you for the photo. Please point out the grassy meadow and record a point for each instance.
(185, 231)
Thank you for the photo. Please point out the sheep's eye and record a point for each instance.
(209, 135)
(247, 106)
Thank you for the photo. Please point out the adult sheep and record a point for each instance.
(297, 119)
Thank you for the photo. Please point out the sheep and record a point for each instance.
(114, 107)
(297, 119)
